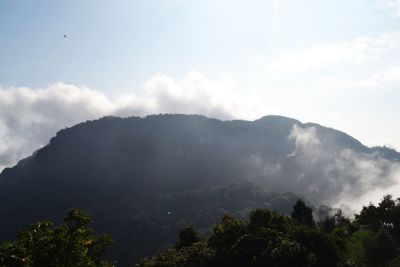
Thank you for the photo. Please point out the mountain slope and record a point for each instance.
(120, 169)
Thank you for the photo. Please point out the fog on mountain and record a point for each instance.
(139, 175)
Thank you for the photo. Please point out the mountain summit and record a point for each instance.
(126, 170)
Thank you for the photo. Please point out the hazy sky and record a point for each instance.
(334, 62)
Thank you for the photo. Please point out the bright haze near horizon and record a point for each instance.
(336, 63)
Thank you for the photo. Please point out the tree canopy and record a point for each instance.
(268, 238)
(70, 244)
(271, 239)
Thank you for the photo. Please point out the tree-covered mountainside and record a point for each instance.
(270, 239)
(371, 239)
(140, 230)
(136, 176)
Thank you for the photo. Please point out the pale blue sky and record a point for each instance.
(112, 45)
(334, 62)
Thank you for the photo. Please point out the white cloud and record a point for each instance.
(391, 5)
(343, 177)
(304, 137)
(357, 51)
(329, 172)
(376, 178)
(193, 94)
(382, 80)
(30, 117)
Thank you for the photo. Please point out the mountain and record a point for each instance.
(139, 175)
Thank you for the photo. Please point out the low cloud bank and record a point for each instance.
(30, 117)
(346, 178)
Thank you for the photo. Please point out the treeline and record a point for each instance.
(141, 229)
(71, 244)
(268, 238)
(372, 238)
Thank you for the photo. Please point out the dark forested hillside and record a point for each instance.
(150, 175)
(270, 239)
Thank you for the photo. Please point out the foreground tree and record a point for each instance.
(187, 236)
(196, 255)
(302, 213)
(270, 239)
(71, 244)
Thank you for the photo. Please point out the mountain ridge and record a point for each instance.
(264, 119)
(121, 169)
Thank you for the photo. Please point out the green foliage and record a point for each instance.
(267, 239)
(381, 250)
(394, 262)
(266, 218)
(331, 223)
(144, 230)
(302, 213)
(268, 247)
(225, 235)
(187, 236)
(43, 244)
(368, 248)
(319, 246)
(384, 216)
(195, 255)
(377, 241)
(356, 254)
(270, 239)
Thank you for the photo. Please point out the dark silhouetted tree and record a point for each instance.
(70, 244)
(187, 236)
(302, 213)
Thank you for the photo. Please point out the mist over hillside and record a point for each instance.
(162, 170)
(184, 152)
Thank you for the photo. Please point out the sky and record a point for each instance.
(333, 62)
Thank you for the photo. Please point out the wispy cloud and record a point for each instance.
(304, 137)
(357, 51)
(391, 5)
(30, 117)
(344, 177)
(386, 80)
